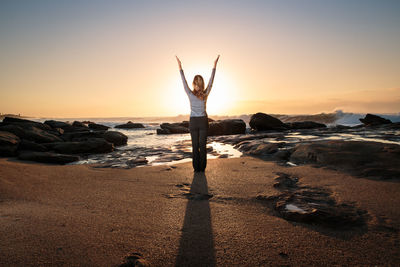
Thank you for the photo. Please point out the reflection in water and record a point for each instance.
(196, 247)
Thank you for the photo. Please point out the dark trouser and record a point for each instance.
(198, 131)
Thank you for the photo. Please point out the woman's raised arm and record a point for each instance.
(212, 77)
(185, 85)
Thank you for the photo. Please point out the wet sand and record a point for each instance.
(78, 215)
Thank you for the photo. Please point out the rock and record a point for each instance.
(136, 162)
(305, 125)
(15, 129)
(72, 128)
(363, 158)
(117, 138)
(47, 157)
(79, 124)
(312, 205)
(227, 127)
(372, 120)
(135, 260)
(57, 124)
(96, 126)
(261, 121)
(174, 128)
(94, 145)
(285, 181)
(263, 149)
(75, 127)
(37, 135)
(130, 125)
(163, 131)
(82, 136)
(32, 146)
(282, 155)
(25, 123)
(8, 143)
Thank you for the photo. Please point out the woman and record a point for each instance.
(198, 123)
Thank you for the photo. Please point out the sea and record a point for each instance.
(146, 147)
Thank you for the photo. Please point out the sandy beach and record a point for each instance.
(79, 215)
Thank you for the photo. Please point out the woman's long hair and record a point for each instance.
(198, 87)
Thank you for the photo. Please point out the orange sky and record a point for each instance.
(98, 59)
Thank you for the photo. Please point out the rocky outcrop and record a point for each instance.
(117, 138)
(261, 122)
(94, 145)
(8, 143)
(130, 125)
(367, 159)
(373, 120)
(227, 127)
(47, 157)
(21, 135)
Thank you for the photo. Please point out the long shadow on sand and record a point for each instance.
(196, 247)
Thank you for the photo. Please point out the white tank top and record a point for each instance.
(197, 105)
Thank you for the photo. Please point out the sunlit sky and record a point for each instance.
(117, 58)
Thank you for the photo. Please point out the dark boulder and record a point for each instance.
(32, 146)
(47, 157)
(175, 128)
(129, 125)
(117, 138)
(8, 143)
(305, 125)
(79, 124)
(37, 135)
(372, 120)
(95, 126)
(227, 127)
(163, 131)
(57, 124)
(95, 145)
(15, 129)
(25, 123)
(261, 122)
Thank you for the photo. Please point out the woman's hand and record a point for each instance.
(216, 61)
(179, 63)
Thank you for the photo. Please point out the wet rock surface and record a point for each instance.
(371, 152)
(311, 205)
(367, 159)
